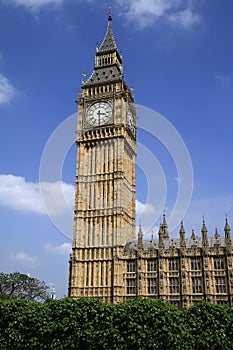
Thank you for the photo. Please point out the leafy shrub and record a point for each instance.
(90, 324)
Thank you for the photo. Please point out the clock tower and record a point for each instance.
(107, 260)
(104, 213)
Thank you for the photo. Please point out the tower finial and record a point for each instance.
(164, 227)
(204, 229)
(203, 219)
(83, 76)
(109, 13)
(193, 234)
(182, 226)
(227, 227)
(140, 226)
(140, 238)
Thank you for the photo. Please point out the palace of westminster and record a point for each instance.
(108, 261)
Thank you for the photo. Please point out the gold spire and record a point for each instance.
(109, 13)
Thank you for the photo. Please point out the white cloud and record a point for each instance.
(186, 18)
(147, 216)
(58, 197)
(142, 208)
(18, 194)
(26, 260)
(155, 7)
(6, 90)
(34, 5)
(224, 79)
(63, 249)
(145, 13)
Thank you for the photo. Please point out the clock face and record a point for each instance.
(130, 120)
(99, 113)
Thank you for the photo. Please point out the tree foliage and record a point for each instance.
(90, 324)
(17, 285)
(210, 326)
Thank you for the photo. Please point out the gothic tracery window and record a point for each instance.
(173, 265)
(196, 285)
(151, 265)
(195, 264)
(220, 284)
(151, 285)
(174, 285)
(218, 264)
(131, 266)
(131, 286)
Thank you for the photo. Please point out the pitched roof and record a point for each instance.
(103, 74)
(109, 42)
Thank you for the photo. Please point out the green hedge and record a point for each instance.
(90, 324)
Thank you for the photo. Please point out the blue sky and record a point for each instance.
(177, 55)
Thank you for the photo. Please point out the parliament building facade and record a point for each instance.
(108, 261)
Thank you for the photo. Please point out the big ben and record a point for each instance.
(107, 260)
(104, 213)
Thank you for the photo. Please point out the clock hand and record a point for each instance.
(99, 113)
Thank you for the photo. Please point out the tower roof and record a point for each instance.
(108, 61)
(109, 42)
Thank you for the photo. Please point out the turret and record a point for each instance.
(151, 245)
(216, 240)
(140, 239)
(182, 235)
(164, 228)
(193, 234)
(216, 235)
(227, 235)
(161, 236)
(204, 235)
